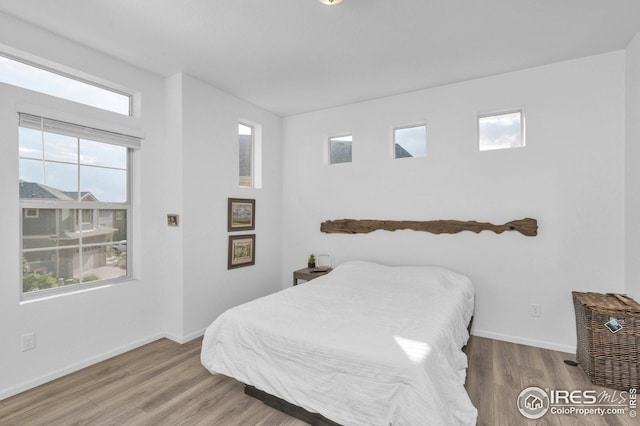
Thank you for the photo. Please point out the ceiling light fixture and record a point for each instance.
(330, 2)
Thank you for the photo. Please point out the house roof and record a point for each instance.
(38, 191)
(401, 152)
(84, 195)
(295, 56)
(86, 233)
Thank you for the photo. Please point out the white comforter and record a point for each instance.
(366, 344)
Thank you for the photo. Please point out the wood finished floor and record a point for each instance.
(163, 383)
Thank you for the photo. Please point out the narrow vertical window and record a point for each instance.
(410, 141)
(246, 151)
(501, 131)
(340, 150)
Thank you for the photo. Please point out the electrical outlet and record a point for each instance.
(28, 342)
(536, 310)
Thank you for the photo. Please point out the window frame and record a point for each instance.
(497, 114)
(31, 216)
(407, 126)
(81, 207)
(252, 158)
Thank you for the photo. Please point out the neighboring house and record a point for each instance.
(245, 160)
(401, 152)
(58, 229)
(340, 152)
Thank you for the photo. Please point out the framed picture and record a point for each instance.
(242, 250)
(172, 220)
(241, 215)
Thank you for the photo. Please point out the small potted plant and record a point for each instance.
(311, 263)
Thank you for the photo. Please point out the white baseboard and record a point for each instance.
(184, 339)
(523, 341)
(6, 393)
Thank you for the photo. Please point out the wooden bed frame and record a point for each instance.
(314, 419)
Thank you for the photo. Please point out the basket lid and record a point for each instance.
(611, 301)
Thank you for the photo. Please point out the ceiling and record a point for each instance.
(294, 56)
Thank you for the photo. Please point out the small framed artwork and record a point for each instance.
(172, 220)
(241, 215)
(242, 251)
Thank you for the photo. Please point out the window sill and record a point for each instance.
(49, 294)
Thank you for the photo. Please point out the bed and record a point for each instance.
(366, 344)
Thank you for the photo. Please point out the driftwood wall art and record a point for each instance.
(527, 226)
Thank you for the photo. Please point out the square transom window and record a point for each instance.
(340, 150)
(501, 131)
(410, 141)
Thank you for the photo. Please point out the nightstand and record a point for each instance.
(308, 274)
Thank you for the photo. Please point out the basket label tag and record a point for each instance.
(613, 325)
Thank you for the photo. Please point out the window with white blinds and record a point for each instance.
(75, 186)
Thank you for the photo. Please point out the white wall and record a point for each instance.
(570, 177)
(78, 329)
(173, 264)
(633, 168)
(210, 177)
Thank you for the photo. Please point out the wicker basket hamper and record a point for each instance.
(609, 359)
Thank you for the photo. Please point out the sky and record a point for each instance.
(500, 131)
(68, 163)
(244, 130)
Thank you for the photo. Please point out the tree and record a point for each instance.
(32, 281)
